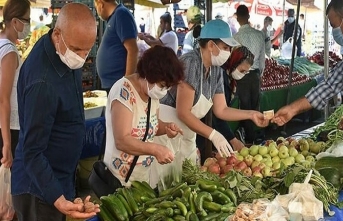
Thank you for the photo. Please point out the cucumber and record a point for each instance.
(200, 199)
(130, 200)
(212, 206)
(126, 205)
(104, 214)
(148, 191)
(115, 207)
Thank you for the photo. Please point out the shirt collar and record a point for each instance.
(118, 6)
(54, 58)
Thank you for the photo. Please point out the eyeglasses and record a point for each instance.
(25, 19)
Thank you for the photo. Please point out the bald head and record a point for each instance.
(75, 29)
(75, 15)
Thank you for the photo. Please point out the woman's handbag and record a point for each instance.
(101, 180)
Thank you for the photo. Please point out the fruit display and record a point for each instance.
(276, 76)
(35, 36)
(318, 58)
(206, 200)
(266, 160)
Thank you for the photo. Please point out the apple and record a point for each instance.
(256, 169)
(239, 158)
(306, 164)
(214, 168)
(276, 165)
(203, 168)
(295, 144)
(289, 161)
(248, 160)
(253, 150)
(310, 158)
(209, 161)
(257, 174)
(276, 159)
(304, 153)
(273, 151)
(227, 169)
(269, 142)
(244, 151)
(283, 148)
(317, 147)
(303, 144)
(231, 160)
(263, 150)
(266, 171)
(283, 154)
(240, 166)
(262, 165)
(255, 164)
(269, 163)
(293, 152)
(258, 157)
(247, 171)
(299, 158)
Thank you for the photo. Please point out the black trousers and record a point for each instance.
(14, 142)
(31, 208)
(248, 92)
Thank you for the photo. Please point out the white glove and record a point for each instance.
(219, 141)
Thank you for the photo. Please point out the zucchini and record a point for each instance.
(331, 175)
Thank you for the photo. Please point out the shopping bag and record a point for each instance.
(286, 49)
(102, 181)
(6, 205)
(301, 202)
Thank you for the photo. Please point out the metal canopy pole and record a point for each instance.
(295, 39)
(326, 55)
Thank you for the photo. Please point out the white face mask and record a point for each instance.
(237, 75)
(156, 92)
(337, 34)
(70, 58)
(269, 28)
(26, 30)
(221, 58)
(291, 19)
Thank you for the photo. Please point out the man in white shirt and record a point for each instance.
(248, 88)
(268, 39)
(167, 38)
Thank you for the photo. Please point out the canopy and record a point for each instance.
(262, 7)
(151, 3)
(34, 3)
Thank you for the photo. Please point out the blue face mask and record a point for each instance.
(338, 35)
(291, 19)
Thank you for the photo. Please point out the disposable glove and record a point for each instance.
(223, 147)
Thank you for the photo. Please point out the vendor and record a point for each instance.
(203, 87)
(235, 68)
(167, 36)
(126, 115)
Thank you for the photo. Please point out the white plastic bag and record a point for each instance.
(336, 150)
(301, 202)
(6, 206)
(286, 49)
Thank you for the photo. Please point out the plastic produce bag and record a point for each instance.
(336, 150)
(301, 202)
(6, 206)
(286, 49)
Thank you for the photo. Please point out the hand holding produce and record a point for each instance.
(223, 147)
(164, 155)
(77, 209)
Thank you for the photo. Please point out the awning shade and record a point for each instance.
(150, 3)
(34, 3)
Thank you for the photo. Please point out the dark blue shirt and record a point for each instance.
(111, 55)
(52, 128)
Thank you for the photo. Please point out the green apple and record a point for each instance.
(299, 158)
(310, 158)
(244, 151)
(283, 154)
(266, 171)
(240, 158)
(255, 164)
(289, 161)
(273, 151)
(306, 164)
(304, 153)
(263, 150)
(258, 158)
(253, 150)
(248, 160)
(276, 165)
(269, 163)
(303, 144)
(283, 148)
(293, 152)
(268, 157)
(276, 159)
(257, 174)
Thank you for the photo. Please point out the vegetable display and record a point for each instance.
(318, 58)
(302, 65)
(276, 76)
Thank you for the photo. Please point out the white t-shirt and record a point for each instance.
(6, 46)
(119, 161)
(169, 39)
